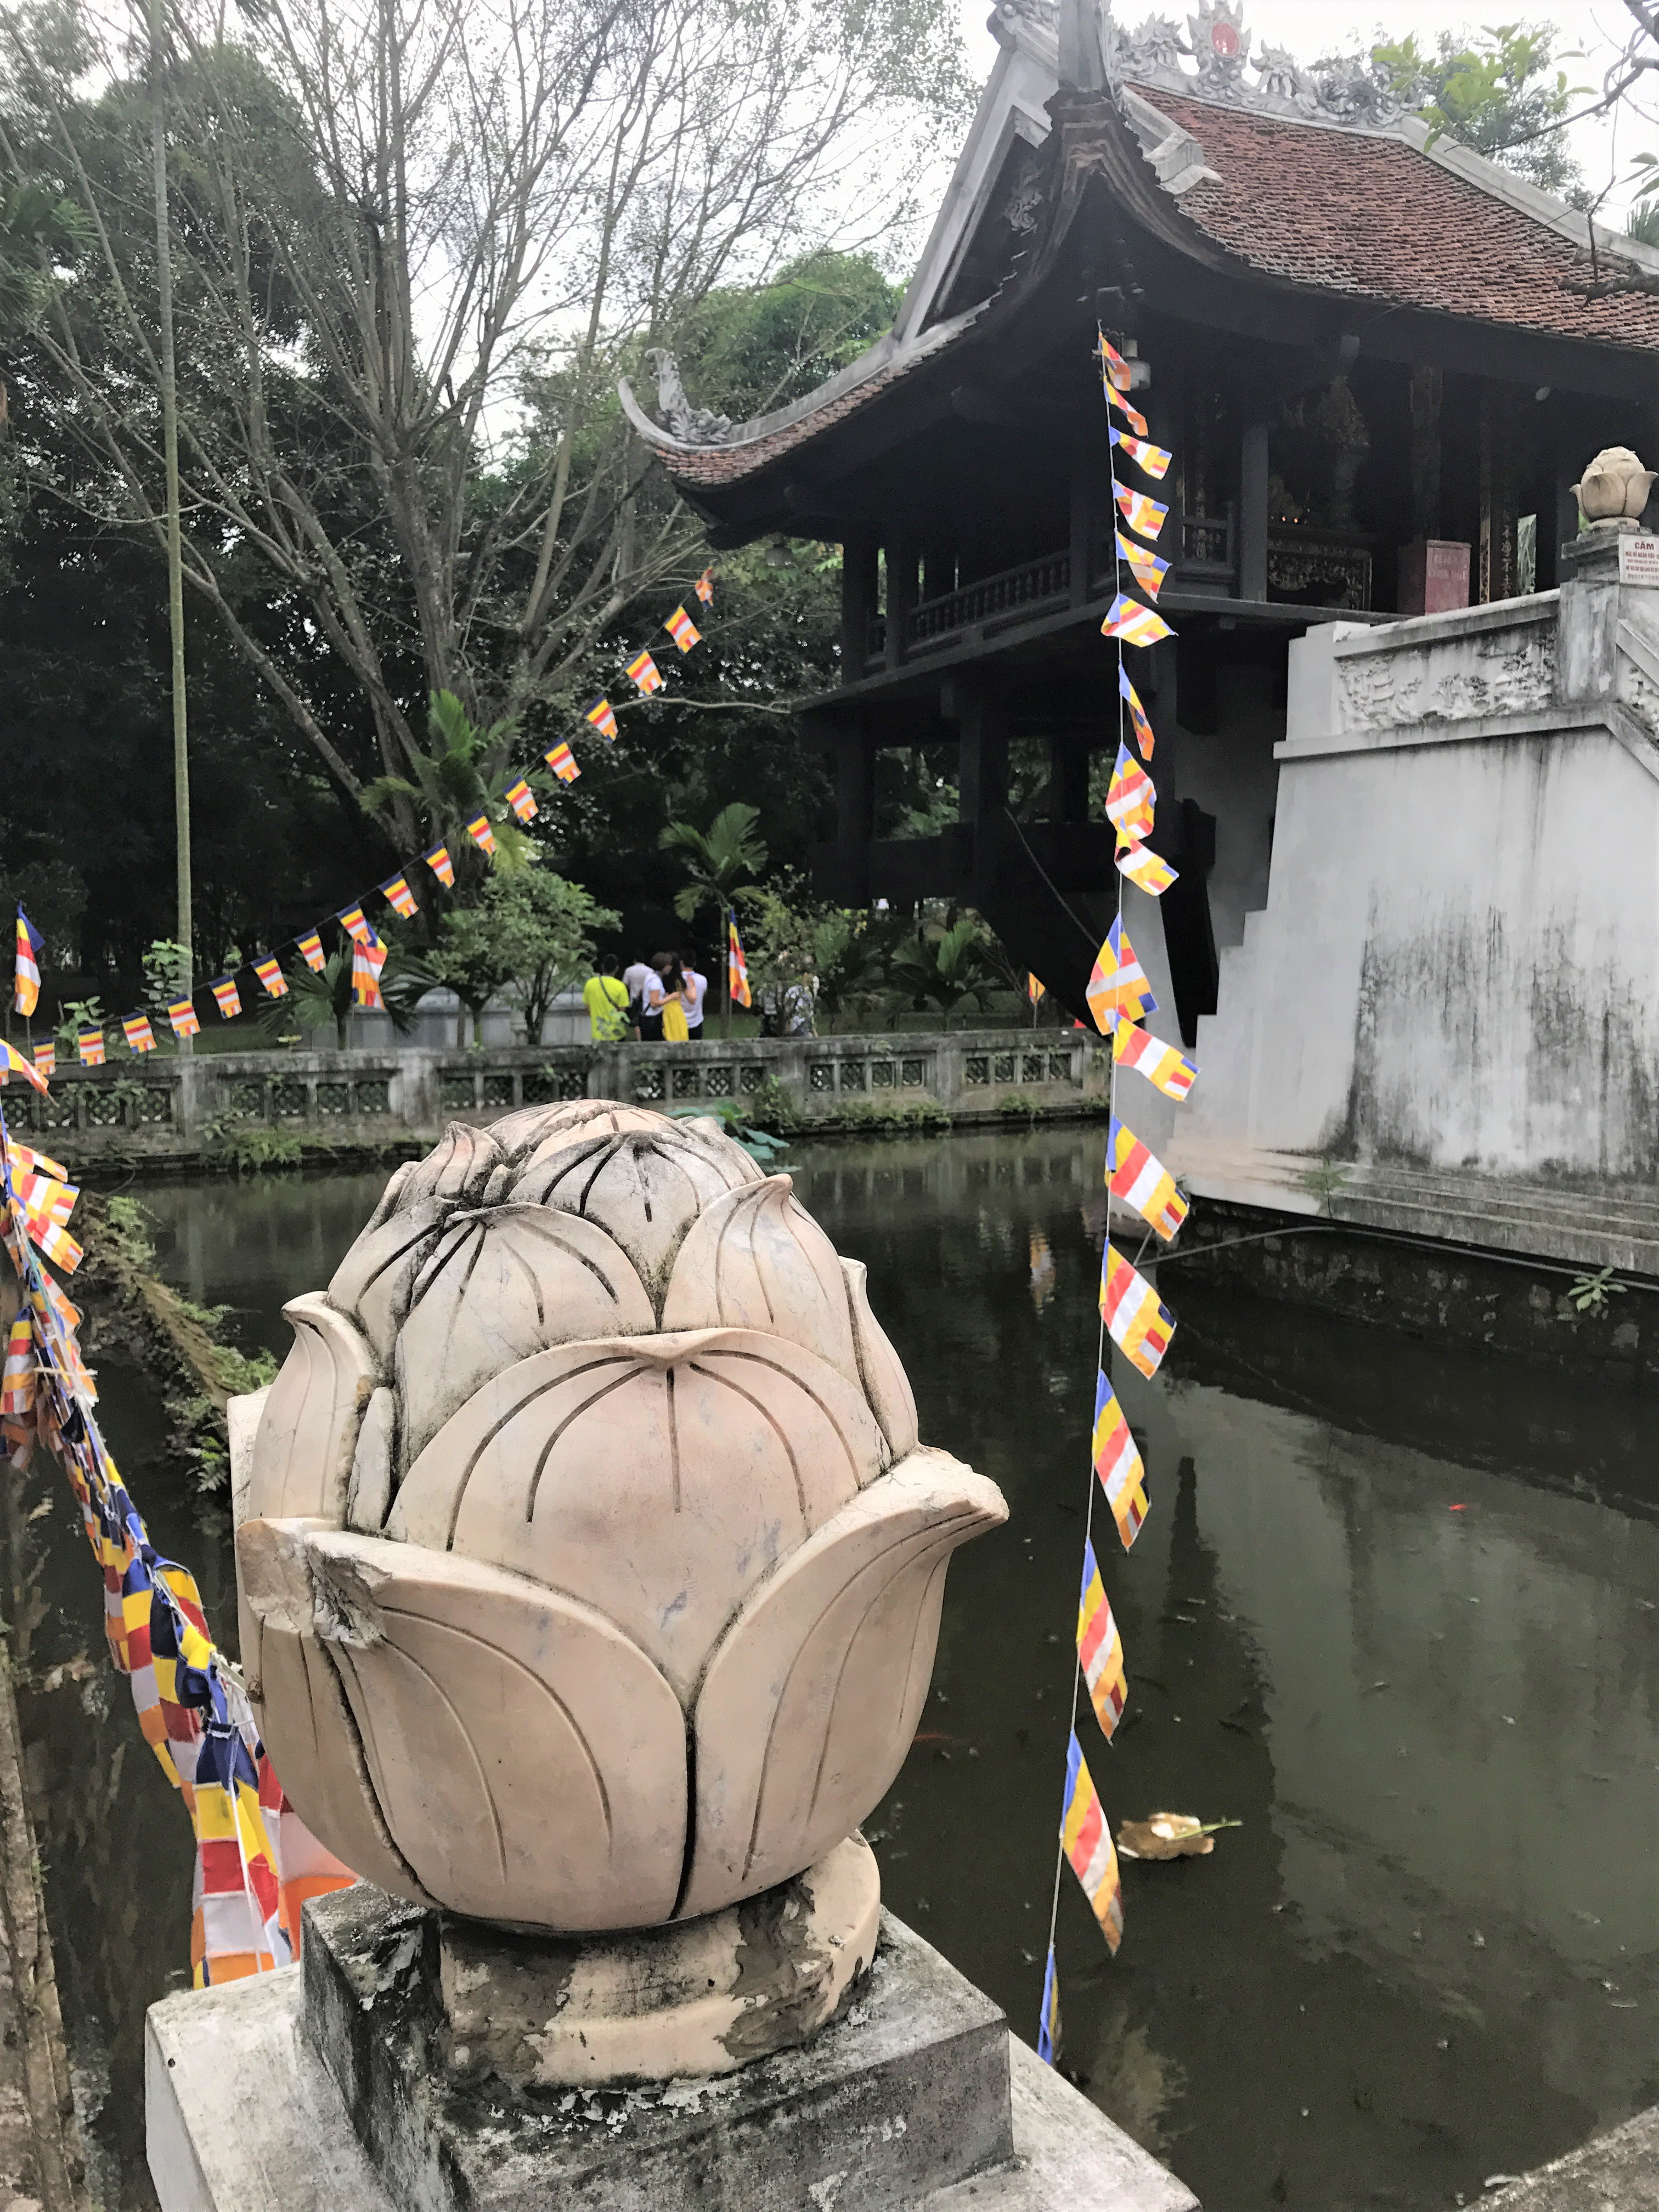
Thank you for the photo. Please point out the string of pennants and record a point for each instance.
(256, 1863)
(369, 949)
(1132, 1314)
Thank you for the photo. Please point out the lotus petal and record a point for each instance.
(496, 1286)
(644, 1189)
(659, 1478)
(809, 1706)
(529, 1762)
(457, 1168)
(755, 1258)
(882, 1372)
(373, 1282)
(302, 1452)
(534, 1128)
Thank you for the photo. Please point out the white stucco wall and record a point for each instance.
(1458, 961)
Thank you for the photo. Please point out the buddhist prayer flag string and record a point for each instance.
(1118, 989)
(182, 1015)
(367, 961)
(1167, 1070)
(683, 631)
(226, 997)
(704, 587)
(520, 798)
(603, 716)
(736, 968)
(1148, 568)
(1132, 415)
(272, 976)
(399, 897)
(1087, 1841)
(1100, 1647)
(1136, 1323)
(1138, 721)
(1117, 1463)
(645, 673)
(89, 1043)
(1048, 2028)
(1135, 624)
(30, 1069)
(1140, 1179)
(1115, 370)
(563, 761)
(46, 1059)
(1142, 866)
(26, 991)
(1130, 796)
(1139, 510)
(482, 836)
(355, 922)
(1155, 459)
(138, 1033)
(437, 859)
(311, 950)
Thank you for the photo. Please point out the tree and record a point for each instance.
(389, 222)
(326, 1001)
(719, 860)
(945, 967)
(461, 773)
(533, 929)
(1498, 91)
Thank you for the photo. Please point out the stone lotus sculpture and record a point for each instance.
(591, 1564)
(1614, 484)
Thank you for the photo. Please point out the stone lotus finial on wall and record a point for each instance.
(591, 1563)
(1614, 486)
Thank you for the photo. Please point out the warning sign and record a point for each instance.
(1638, 558)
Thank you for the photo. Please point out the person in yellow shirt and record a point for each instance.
(605, 997)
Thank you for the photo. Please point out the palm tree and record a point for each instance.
(720, 861)
(945, 969)
(322, 1001)
(463, 775)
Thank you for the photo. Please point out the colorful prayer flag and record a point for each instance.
(1155, 459)
(45, 1059)
(1142, 866)
(1049, 2026)
(1143, 728)
(437, 859)
(1132, 415)
(1118, 989)
(563, 761)
(1135, 624)
(367, 961)
(482, 836)
(1100, 1647)
(182, 1014)
(1166, 1069)
(138, 1033)
(1114, 369)
(736, 968)
(1136, 1321)
(13, 1063)
(356, 924)
(59, 1247)
(520, 798)
(399, 897)
(1140, 511)
(1149, 569)
(683, 631)
(1130, 796)
(27, 995)
(1118, 1463)
(603, 716)
(271, 975)
(311, 948)
(646, 673)
(226, 997)
(89, 1043)
(705, 586)
(1035, 989)
(1140, 1179)
(1088, 1844)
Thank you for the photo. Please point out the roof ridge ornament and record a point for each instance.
(1349, 90)
(691, 426)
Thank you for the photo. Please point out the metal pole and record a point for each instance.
(184, 926)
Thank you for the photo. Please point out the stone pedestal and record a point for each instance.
(341, 2086)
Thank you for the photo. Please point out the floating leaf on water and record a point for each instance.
(1170, 1836)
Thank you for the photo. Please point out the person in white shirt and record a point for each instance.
(638, 978)
(694, 992)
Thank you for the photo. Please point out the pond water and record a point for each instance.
(1394, 1611)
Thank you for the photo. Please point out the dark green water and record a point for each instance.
(1430, 1953)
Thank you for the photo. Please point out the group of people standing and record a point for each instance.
(659, 1000)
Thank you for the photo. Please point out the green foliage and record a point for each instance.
(129, 1233)
(890, 1117)
(757, 348)
(167, 974)
(943, 966)
(1323, 1181)
(534, 929)
(462, 774)
(252, 1151)
(1641, 222)
(720, 860)
(734, 1116)
(1590, 1293)
(771, 1107)
(75, 1015)
(1493, 90)
(324, 1002)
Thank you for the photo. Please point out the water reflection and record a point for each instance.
(1429, 1952)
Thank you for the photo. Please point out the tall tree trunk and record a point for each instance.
(184, 925)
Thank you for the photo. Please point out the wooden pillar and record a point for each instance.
(857, 604)
(1068, 778)
(1084, 513)
(902, 558)
(855, 810)
(983, 776)
(1427, 388)
(1253, 512)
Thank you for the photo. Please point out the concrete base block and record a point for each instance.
(1616, 2172)
(288, 2095)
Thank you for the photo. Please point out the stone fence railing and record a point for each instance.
(170, 1104)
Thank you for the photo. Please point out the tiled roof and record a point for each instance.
(1374, 217)
(719, 465)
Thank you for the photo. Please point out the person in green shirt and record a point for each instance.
(605, 997)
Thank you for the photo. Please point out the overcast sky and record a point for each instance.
(1308, 27)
